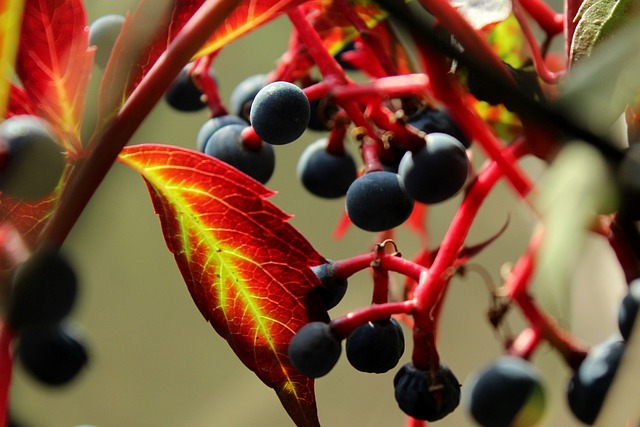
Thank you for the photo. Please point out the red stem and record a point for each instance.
(551, 22)
(412, 422)
(343, 326)
(6, 369)
(90, 173)
(526, 343)
(391, 87)
(202, 75)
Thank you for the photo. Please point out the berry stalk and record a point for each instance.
(343, 326)
(551, 22)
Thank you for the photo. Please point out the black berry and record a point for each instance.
(426, 395)
(243, 95)
(375, 347)
(33, 162)
(53, 354)
(437, 171)
(214, 124)
(226, 144)
(314, 350)
(506, 393)
(43, 290)
(184, 95)
(280, 113)
(431, 120)
(590, 383)
(334, 288)
(377, 201)
(325, 174)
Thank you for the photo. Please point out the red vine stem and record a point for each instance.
(343, 326)
(6, 368)
(526, 343)
(551, 22)
(89, 173)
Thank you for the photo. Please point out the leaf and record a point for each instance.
(248, 16)
(145, 35)
(54, 63)
(10, 19)
(483, 13)
(18, 102)
(247, 269)
(597, 20)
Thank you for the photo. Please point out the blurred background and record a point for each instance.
(156, 363)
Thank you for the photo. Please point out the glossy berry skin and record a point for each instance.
(507, 393)
(436, 172)
(334, 288)
(314, 350)
(43, 290)
(589, 385)
(431, 120)
(242, 95)
(377, 201)
(375, 347)
(214, 124)
(226, 144)
(31, 162)
(324, 174)
(53, 354)
(425, 395)
(184, 95)
(280, 113)
(629, 309)
(103, 33)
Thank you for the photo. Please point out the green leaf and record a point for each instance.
(597, 20)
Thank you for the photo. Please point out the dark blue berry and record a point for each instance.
(431, 120)
(506, 393)
(334, 288)
(226, 144)
(184, 95)
(590, 383)
(212, 125)
(103, 33)
(426, 395)
(43, 290)
(325, 174)
(321, 114)
(32, 162)
(53, 354)
(280, 113)
(437, 171)
(375, 347)
(314, 349)
(243, 95)
(377, 201)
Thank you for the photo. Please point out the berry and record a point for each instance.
(431, 120)
(321, 113)
(334, 288)
(314, 350)
(590, 383)
(183, 94)
(31, 161)
(103, 34)
(280, 113)
(629, 309)
(243, 95)
(507, 393)
(325, 174)
(212, 125)
(437, 171)
(54, 354)
(375, 347)
(43, 290)
(226, 144)
(426, 395)
(377, 201)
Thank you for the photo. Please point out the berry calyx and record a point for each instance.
(314, 349)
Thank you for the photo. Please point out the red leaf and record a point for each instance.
(10, 19)
(19, 102)
(54, 64)
(247, 269)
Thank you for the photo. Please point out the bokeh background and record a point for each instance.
(156, 363)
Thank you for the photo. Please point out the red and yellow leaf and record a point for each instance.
(10, 19)
(247, 269)
(54, 63)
